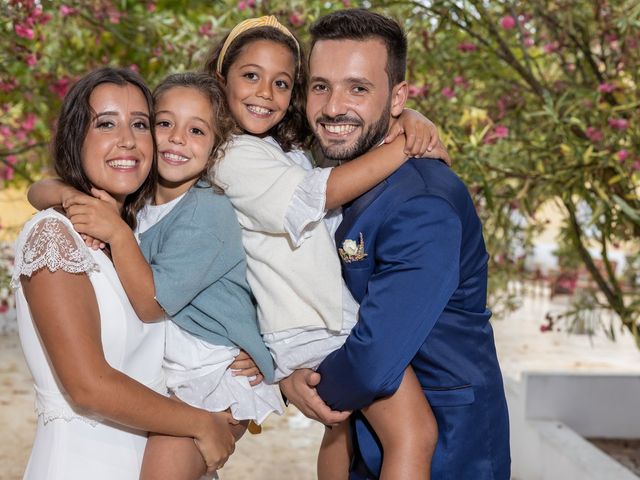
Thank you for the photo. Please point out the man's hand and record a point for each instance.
(300, 389)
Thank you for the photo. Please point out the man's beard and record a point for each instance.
(365, 142)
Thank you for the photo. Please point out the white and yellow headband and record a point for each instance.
(266, 21)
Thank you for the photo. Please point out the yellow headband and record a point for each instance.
(266, 21)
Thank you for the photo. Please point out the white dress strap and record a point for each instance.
(51, 242)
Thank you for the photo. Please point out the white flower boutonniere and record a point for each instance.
(352, 251)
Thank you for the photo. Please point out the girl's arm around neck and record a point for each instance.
(50, 192)
(136, 276)
(355, 177)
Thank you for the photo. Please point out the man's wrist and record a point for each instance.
(285, 399)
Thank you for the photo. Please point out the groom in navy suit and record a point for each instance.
(420, 273)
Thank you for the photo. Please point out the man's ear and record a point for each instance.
(399, 95)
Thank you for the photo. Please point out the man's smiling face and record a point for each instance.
(349, 100)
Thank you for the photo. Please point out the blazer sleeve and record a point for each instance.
(188, 261)
(417, 270)
(260, 181)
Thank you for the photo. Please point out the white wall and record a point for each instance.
(545, 447)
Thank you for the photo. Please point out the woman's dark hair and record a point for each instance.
(73, 124)
(222, 124)
(292, 131)
(360, 24)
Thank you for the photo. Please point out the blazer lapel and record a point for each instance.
(351, 213)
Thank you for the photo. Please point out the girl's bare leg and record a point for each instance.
(335, 452)
(407, 429)
(177, 458)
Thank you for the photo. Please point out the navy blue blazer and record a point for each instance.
(422, 290)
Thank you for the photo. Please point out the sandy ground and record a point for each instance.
(287, 447)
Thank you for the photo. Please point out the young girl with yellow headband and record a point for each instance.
(289, 211)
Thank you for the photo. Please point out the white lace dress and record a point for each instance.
(68, 445)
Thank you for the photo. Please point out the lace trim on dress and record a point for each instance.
(51, 244)
(54, 406)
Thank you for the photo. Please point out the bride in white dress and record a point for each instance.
(96, 366)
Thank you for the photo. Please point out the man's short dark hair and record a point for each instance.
(359, 24)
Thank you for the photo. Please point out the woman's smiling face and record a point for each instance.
(117, 152)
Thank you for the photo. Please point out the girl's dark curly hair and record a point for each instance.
(292, 131)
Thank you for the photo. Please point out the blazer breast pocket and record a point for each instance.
(357, 277)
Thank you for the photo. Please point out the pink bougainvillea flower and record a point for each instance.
(205, 29)
(415, 91)
(459, 80)
(7, 174)
(44, 18)
(501, 131)
(594, 134)
(24, 31)
(65, 10)
(151, 7)
(528, 41)
(606, 88)
(611, 37)
(242, 5)
(60, 86)
(636, 166)
(448, 92)
(619, 123)
(5, 131)
(623, 155)
(12, 159)
(29, 122)
(134, 67)
(296, 19)
(8, 85)
(251, 3)
(550, 47)
(507, 22)
(21, 135)
(31, 59)
(39, 16)
(498, 132)
(466, 47)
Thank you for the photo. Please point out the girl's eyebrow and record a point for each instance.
(254, 65)
(169, 112)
